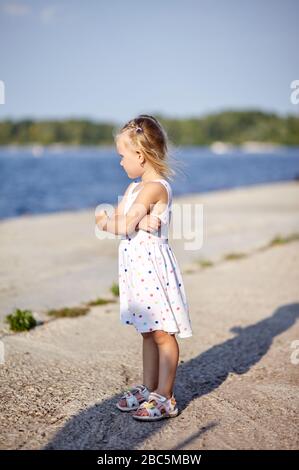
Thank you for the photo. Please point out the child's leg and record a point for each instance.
(150, 355)
(168, 361)
(150, 362)
(168, 350)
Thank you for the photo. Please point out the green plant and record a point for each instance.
(115, 289)
(205, 263)
(279, 240)
(233, 256)
(100, 301)
(68, 312)
(21, 320)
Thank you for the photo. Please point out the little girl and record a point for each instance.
(151, 289)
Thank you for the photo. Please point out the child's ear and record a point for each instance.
(141, 158)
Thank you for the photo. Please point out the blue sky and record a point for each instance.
(110, 60)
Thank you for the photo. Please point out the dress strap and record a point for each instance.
(165, 184)
(168, 189)
(163, 181)
(166, 215)
(134, 184)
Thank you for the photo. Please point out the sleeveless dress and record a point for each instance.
(151, 290)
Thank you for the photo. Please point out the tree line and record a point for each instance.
(234, 127)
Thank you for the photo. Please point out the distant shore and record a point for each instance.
(229, 125)
(218, 146)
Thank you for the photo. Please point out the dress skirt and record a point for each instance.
(151, 289)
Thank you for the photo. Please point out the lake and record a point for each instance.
(43, 180)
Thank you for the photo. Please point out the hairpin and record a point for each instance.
(138, 129)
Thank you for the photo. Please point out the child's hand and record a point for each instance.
(101, 219)
(149, 223)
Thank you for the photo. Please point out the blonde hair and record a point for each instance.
(149, 137)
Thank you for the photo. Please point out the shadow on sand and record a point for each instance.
(102, 426)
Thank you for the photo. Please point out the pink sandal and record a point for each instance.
(156, 407)
(132, 400)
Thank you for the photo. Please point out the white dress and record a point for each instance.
(151, 289)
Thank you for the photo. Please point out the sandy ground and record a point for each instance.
(238, 378)
(55, 260)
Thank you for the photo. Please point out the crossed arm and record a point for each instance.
(125, 224)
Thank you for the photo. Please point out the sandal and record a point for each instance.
(156, 407)
(134, 397)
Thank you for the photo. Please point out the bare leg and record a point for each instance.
(168, 350)
(150, 355)
(168, 361)
(150, 362)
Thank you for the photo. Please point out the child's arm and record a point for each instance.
(148, 223)
(145, 224)
(121, 224)
(119, 209)
(100, 218)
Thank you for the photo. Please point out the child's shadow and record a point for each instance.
(104, 427)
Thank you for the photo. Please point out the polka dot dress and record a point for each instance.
(151, 289)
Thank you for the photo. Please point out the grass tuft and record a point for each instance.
(68, 312)
(205, 263)
(100, 301)
(115, 289)
(234, 256)
(21, 320)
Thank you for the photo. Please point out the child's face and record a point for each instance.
(130, 157)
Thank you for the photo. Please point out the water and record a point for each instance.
(57, 179)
